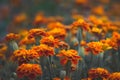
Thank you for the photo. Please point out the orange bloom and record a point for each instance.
(116, 38)
(23, 33)
(67, 78)
(44, 50)
(98, 73)
(114, 76)
(63, 45)
(24, 56)
(98, 47)
(82, 24)
(29, 70)
(53, 25)
(58, 33)
(96, 30)
(83, 43)
(36, 32)
(95, 20)
(39, 19)
(3, 48)
(69, 55)
(20, 18)
(111, 43)
(99, 10)
(50, 41)
(94, 47)
(26, 41)
(79, 2)
(12, 36)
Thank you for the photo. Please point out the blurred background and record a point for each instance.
(16, 15)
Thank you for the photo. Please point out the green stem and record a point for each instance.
(14, 45)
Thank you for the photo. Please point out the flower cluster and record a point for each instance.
(69, 55)
(12, 36)
(29, 70)
(24, 56)
(98, 73)
(44, 50)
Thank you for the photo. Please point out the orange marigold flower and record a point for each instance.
(111, 43)
(20, 18)
(83, 43)
(82, 24)
(63, 45)
(67, 78)
(98, 73)
(12, 36)
(69, 55)
(50, 41)
(58, 33)
(116, 38)
(79, 2)
(29, 70)
(39, 19)
(24, 56)
(114, 76)
(96, 30)
(53, 25)
(95, 20)
(94, 47)
(27, 41)
(36, 32)
(3, 48)
(44, 50)
(99, 10)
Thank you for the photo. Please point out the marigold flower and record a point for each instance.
(23, 33)
(20, 18)
(67, 78)
(53, 25)
(29, 70)
(99, 10)
(27, 41)
(94, 47)
(111, 43)
(50, 41)
(97, 47)
(95, 20)
(44, 50)
(39, 19)
(69, 55)
(63, 45)
(106, 44)
(83, 43)
(12, 36)
(114, 76)
(24, 56)
(96, 30)
(58, 33)
(3, 48)
(36, 32)
(98, 73)
(116, 38)
(79, 2)
(82, 24)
